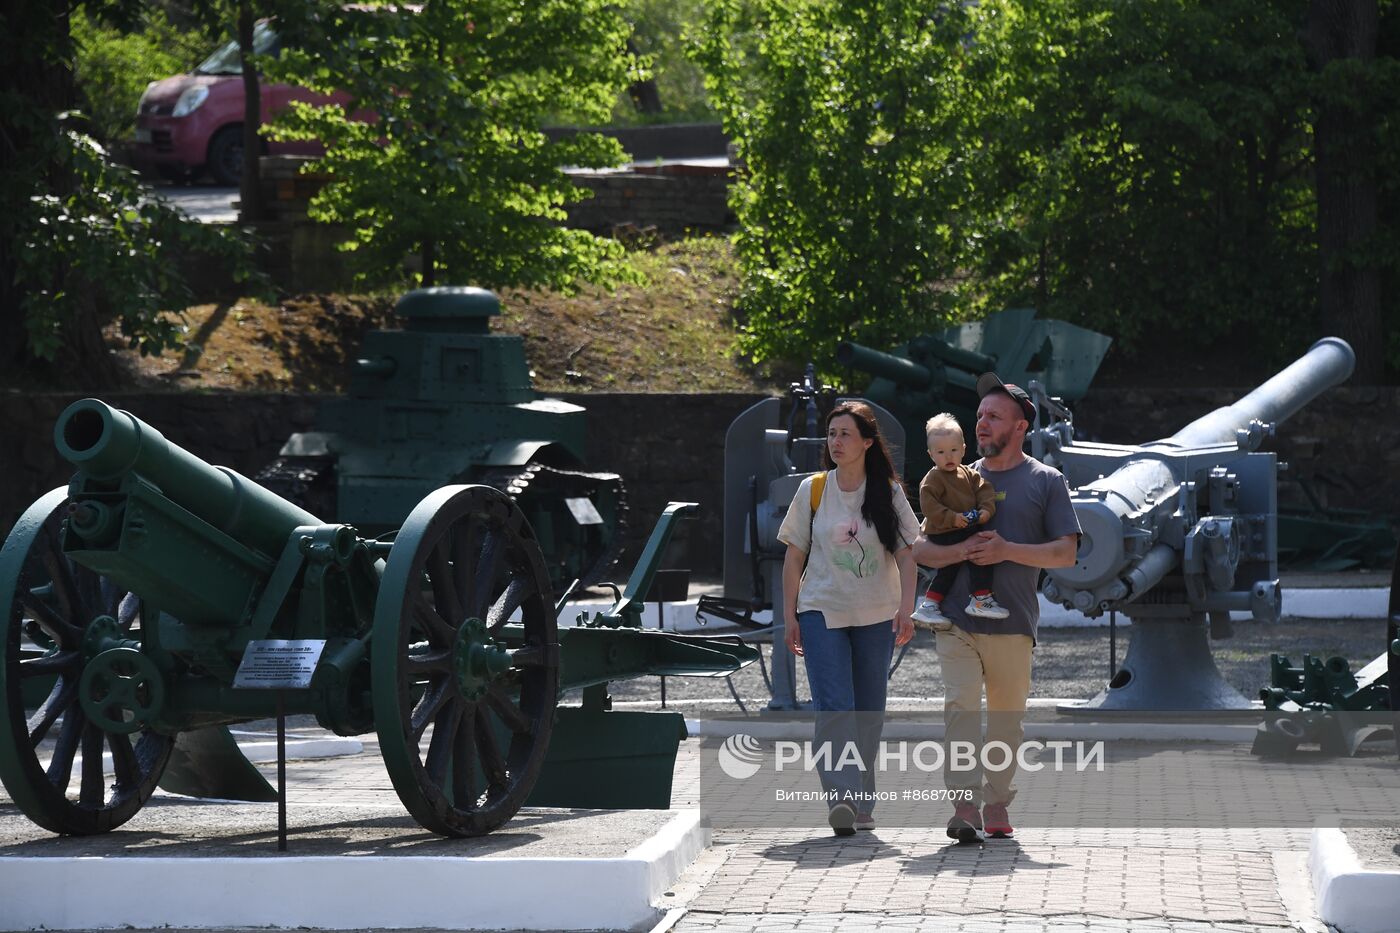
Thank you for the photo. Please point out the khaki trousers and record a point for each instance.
(1001, 664)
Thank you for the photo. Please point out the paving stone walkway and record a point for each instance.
(916, 880)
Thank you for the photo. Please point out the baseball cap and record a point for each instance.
(991, 382)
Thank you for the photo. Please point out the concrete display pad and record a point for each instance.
(191, 864)
(1350, 896)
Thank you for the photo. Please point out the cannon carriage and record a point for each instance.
(137, 589)
(1180, 532)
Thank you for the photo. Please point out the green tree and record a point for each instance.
(439, 155)
(1188, 170)
(848, 119)
(81, 245)
(1146, 167)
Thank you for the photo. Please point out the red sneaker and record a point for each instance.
(966, 824)
(998, 824)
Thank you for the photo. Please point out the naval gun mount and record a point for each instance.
(765, 461)
(1179, 532)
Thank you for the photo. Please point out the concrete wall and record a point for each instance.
(671, 447)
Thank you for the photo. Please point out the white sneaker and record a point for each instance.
(986, 607)
(929, 616)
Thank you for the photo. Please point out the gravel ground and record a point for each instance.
(1072, 663)
(1379, 848)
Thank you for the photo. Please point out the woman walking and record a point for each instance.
(848, 595)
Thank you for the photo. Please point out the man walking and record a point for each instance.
(1034, 527)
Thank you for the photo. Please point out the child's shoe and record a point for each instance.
(986, 607)
(929, 616)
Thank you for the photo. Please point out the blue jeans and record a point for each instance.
(848, 671)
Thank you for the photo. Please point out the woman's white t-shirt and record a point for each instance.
(850, 578)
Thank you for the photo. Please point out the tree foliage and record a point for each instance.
(439, 154)
(113, 64)
(847, 118)
(81, 245)
(1146, 169)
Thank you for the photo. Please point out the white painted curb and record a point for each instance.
(1350, 897)
(322, 747)
(1335, 603)
(1086, 731)
(356, 892)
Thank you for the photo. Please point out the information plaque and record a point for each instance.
(278, 664)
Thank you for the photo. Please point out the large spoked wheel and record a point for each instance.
(463, 705)
(52, 763)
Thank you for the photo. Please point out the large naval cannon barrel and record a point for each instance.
(1183, 529)
(162, 597)
(1327, 363)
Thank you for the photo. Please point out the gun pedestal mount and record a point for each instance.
(1179, 533)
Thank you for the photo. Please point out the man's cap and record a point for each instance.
(991, 382)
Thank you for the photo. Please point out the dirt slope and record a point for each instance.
(672, 333)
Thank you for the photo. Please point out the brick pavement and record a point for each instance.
(914, 879)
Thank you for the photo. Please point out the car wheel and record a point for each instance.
(225, 163)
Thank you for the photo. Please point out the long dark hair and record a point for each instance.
(880, 477)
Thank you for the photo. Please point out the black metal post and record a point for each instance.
(281, 774)
(1112, 643)
(661, 626)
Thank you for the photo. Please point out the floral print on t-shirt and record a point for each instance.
(850, 553)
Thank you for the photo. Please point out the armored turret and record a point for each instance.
(442, 401)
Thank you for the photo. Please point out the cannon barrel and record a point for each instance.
(896, 369)
(969, 361)
(107, 444)
(1327, 363)
(1109, 506)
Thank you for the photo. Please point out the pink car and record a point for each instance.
(191, 123)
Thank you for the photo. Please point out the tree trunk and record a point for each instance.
(250, 185)
(36, 52)
(1349, 282)
(645, 96)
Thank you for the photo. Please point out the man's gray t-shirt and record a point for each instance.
(1033, 507)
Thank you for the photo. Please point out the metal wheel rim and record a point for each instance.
(477, 528)
(42, 791)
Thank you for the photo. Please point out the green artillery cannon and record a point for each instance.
(147, 578)
(446, 401)
(1181, 530)
(938, 372)
(1325, 703)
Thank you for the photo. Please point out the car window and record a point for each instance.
(227, 61)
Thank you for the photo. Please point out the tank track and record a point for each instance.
(310, 483)
(536, 487)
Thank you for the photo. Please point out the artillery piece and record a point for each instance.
(147, 577)
(1181, 530)
(445, 401)
(764, 464)
(938, 372)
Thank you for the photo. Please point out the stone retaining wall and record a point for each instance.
(671, 447)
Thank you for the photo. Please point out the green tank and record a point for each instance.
(445, 401)
(1053, 360)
